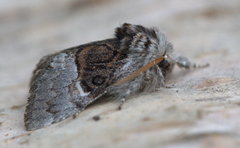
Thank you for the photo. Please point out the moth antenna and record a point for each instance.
(183, 62)
(141, 70)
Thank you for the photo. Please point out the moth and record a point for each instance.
(135, 60)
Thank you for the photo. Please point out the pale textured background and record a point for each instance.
(201, 109)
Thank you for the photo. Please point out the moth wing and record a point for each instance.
(62, 85)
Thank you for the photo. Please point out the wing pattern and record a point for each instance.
(65, 83)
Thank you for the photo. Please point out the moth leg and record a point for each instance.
(168, 87)
(183, 62)
(75, 116)
(121, 104)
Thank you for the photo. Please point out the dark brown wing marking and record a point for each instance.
(97, 65)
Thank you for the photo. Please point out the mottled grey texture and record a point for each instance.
(49, 99)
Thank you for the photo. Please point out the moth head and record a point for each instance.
(167, 64)
(166, 50)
